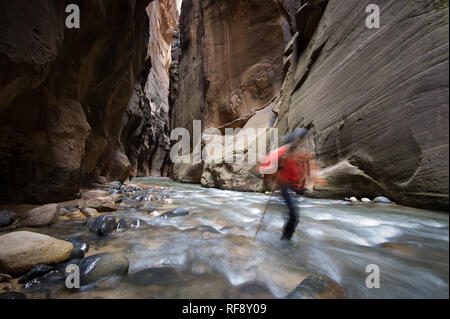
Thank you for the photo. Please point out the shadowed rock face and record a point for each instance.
(145, 126)
(376, 100)
(63, 93)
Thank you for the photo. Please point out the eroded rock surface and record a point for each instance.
(63, 92)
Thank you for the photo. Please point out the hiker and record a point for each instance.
(130, 177)
(296, 171)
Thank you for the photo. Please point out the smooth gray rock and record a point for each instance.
(102, 266)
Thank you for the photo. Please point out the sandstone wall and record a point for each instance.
(376, 100)
(63, 92)
(145, 127)
(230, 66)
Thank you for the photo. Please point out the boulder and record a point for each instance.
(6, 218)
(22, 250)
(318, 287)
(101, 204)
(102, 266)
(41, 216)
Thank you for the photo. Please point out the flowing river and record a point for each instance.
(210, 252)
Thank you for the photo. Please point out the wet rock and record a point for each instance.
(90, 212)
(76, 215)
(79, 245)
(138, 223)
(13, 295)
(6, 218)
(41, 283)
(365, 200)
(21, 251)
(121, 225)
(317, 287)
(157, 276)
(175, 213)
(62, 267)
(77, 253)
(382, 199)
(94, 193)
(41, 216)
(116, 185)
(354, 199)
(103, 225)
(102, 266)
(35, 272)
(255, 288)
(102, 204)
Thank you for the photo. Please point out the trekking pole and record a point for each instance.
(265, 209)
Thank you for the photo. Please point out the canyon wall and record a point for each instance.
(375, 100)
(63, 93)
(230, 67)
(145, 127)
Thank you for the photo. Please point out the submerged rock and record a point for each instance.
(103, 225)
(13, 295)
(102, 266)
(21, 251)
(35, 272)
(317, 287)
(79, 245)
(90, 212)
(121, 225)
(41, 216)
(382, 199)
(43, 282)
(175, 213)
(6, 218)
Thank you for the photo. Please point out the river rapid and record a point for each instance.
(210, 253)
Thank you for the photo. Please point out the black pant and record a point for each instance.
(289, 227)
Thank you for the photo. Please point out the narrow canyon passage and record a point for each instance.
(91, 175)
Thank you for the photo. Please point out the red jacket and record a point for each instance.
(295, 170)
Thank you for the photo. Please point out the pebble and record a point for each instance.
(365, 200)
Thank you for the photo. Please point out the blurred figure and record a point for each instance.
(297, 171)
(130, 176)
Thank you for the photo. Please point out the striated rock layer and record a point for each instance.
(375, 100)
(63, 92)
(145, 125)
